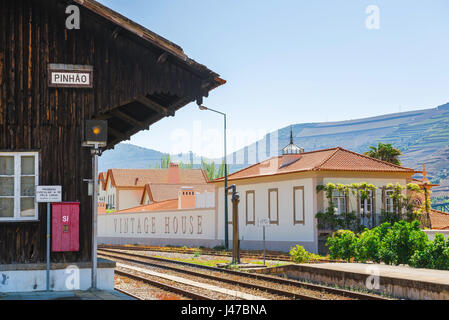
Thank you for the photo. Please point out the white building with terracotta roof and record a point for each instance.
(122, 189)
(283, 189)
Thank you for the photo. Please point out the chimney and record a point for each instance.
(289, 159)
(186, 198)
(173, 173)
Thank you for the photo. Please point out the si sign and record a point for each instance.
(70, 76)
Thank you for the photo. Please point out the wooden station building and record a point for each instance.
(132, 78)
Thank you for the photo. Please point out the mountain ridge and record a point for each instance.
(422, 136)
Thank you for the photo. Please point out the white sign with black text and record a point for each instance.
(48, 194)
(263, 222)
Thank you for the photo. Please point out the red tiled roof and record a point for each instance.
(156, 206)
(141, 177)
(439, 219)
(102, 179)
(161, 192)
(335, 159)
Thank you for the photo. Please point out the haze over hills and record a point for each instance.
(422, 135)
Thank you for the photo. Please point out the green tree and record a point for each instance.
(211, 170)
(401, 242)
(342, 245)
(435, 255)
(165, 162)
(385, 152)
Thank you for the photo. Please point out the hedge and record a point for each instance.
(402, 243)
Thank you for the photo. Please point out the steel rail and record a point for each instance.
(163, 286)
(202, 251)
(268, 278)
(244, 284)
(128, 294)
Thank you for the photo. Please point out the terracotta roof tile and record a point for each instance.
(156, 206)
(141, 177)
(335, 159)
(439, 219)
(161, 192)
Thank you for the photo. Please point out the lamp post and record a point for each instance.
(226, 235)
(95, 136)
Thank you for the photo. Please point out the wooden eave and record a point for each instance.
(142, 111)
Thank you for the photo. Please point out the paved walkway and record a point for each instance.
(71, 295)
(400, 272)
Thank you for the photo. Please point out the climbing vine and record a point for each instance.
(349, 220)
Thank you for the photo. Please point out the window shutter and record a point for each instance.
(358, 203)
(347, 209)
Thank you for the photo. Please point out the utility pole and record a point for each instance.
(95, 136)
(235, 225)
(95, 153)
(226, 231)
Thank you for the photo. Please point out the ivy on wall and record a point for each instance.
(329, 218)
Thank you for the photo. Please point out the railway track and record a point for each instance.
(202, 251)
(244, 254)
(158, 284)
(128, 294)
(291, 289)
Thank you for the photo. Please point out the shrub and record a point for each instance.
(435, 255)
(400, 242)
(348, 220)
(342, 245)
(327, 219)
(300, 255)
(390, 217)
(367, 246)
(219, 248)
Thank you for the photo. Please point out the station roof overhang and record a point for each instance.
(141, 112)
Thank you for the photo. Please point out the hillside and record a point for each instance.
(129, 156)
(422, 135)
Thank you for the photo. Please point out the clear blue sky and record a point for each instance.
(295, 61)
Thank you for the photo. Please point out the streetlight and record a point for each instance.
(95, 136)
(203, 108)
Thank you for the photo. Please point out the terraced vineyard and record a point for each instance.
(422, 135)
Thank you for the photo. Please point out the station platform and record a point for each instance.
(70, 295)
(401, 282)
(398, 272)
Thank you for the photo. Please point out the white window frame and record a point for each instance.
(367, 202)
(337, 198)
(17, 185)
(389, 201)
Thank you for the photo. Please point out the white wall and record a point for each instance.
(286, 231)
(205, 200)
(60, 280)
(378, 182)
(431, 233)
(128, 198)
(110, 191)
(192, 223)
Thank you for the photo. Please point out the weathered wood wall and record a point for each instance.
(35, 117)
